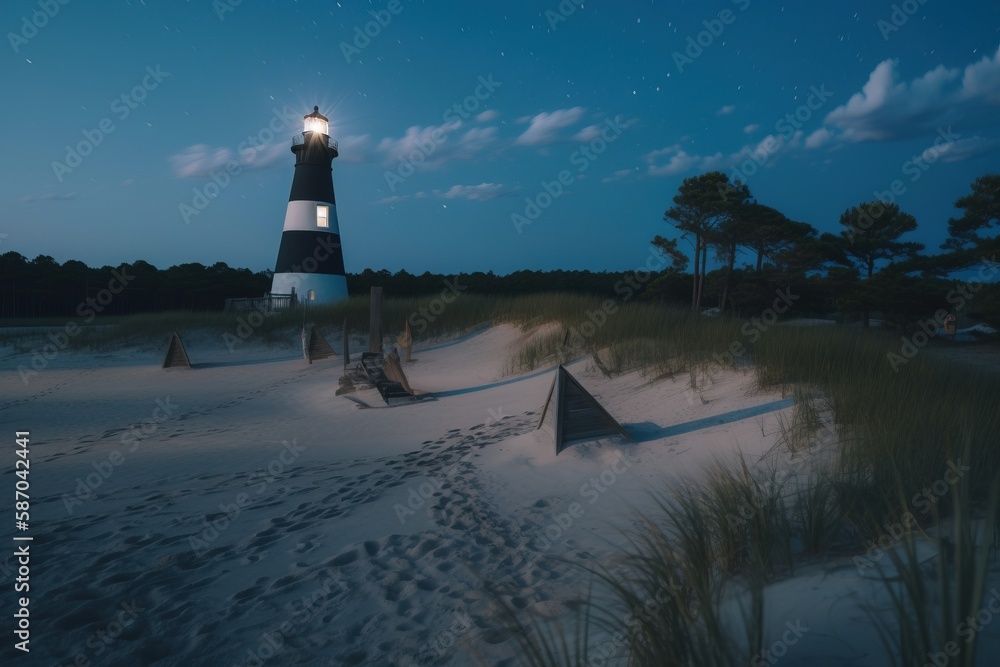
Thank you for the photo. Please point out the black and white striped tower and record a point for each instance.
(310, 259)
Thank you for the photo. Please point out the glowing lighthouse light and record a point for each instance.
(316, 122)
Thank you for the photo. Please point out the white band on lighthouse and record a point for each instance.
(311, 287)
(303, 216)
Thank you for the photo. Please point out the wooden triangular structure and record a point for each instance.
(394, 371)
(576, 414)
(405, 341)
(316, 346)
(374, 367)
(176, 356)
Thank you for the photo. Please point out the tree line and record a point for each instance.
(755, 251)
(41, 287)
(867, 267)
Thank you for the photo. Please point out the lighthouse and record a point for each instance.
(310, 259)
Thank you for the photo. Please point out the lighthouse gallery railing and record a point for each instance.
(300, 139)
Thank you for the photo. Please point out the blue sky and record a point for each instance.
(819, 106)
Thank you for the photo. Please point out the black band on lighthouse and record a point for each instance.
(312, 182)
(300, 249)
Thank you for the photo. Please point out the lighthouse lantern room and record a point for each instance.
(310, 259)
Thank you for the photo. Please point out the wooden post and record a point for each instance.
(409, 342)
(375, 321)
(347, 347)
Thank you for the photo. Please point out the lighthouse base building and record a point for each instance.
(310, 260)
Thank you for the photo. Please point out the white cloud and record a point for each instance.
(819, 138)
(619, 175)
(887, 109)
(679, 162)
(398, 198)
(417, 140)
(198, 160)
(481, 192)
(50, 196)
(588, 133)
(750, 129)
(201, 160)
(474, 141)
(961, 149)
(544, 127)
(487, 115)
(726, 110)
(432, 146)
(981, 80)
(353, 148)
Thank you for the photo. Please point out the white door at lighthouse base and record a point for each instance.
(311, 288)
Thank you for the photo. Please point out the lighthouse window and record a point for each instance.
(322, 216)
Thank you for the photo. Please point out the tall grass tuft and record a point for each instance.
(925, 622)
(546, 644)
(677, 600)
(816, 514)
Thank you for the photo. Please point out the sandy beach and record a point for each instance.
(240, 513)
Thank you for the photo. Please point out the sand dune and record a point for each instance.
(253, 517)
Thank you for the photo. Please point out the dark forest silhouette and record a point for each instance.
(864, 269)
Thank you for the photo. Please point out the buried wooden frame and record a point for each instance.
(578, 415)
(176, 356)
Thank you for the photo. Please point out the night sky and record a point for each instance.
(457, 118)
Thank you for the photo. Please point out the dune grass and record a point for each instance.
(941, 623)
(900, 430)
(898, 433)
